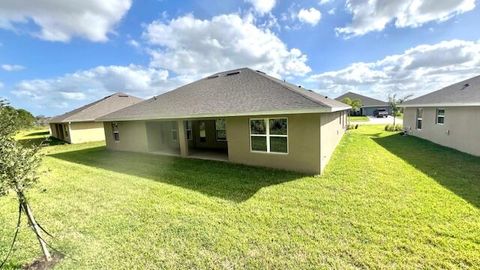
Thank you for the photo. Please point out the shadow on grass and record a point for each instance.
(457, 171)
(44, 133)
(41, 141)
(213, 178)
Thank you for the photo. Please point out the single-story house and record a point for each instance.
(241, 116)
(79, 125)
(449, 116)
(369, 105)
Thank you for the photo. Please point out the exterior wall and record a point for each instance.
(368, 111)
(333, 126)
(303, 144)
(133, 136)
(159, 136)
(53, 130)
(86, 132)
(460, 131)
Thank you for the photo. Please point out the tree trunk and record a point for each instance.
(394, 120)
(35, 227)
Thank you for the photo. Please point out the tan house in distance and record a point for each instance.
(79, 125)
(449, 116)
(242, 116)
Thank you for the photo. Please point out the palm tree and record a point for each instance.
(394, 104)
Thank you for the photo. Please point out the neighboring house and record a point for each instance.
(242, 116)
(449, 116)
(369, 105)
(79, 125)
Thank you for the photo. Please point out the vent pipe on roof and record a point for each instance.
(299, 86)
(465, 86)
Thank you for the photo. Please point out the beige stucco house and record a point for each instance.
(242, 116)
(449, 116)
(369, 105)
(79, 125)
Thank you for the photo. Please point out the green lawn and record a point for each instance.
(358, 119)
(385, 201)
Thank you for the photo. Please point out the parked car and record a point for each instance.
(380, 113)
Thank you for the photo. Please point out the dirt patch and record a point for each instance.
(41, 264)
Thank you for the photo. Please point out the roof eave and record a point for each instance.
(195, 116)
(440, 105)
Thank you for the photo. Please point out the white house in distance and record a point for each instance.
(79, 125)
(449, 116)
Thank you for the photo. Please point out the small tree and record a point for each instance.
(356, 104)
(394, 104)
(18, 168)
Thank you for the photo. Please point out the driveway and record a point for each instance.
(380, 121)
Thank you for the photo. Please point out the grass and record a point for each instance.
(358, 119)
(384, 201)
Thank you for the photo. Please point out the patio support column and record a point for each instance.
(182, 138)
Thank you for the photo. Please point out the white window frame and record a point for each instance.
(115, 125)
(216, 134)
(187, 129)
(437, 116)
(267, 135)
(418, 118)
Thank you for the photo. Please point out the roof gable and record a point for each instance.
(366, 101)
(97, 108)
(464, 93)
(236, 92)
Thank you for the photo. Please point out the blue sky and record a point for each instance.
(57, 56)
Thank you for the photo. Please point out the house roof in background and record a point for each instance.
(236, 92)
(366, 101)
(464, 93)
(97, 109)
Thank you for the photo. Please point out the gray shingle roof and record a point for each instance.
(236, 92)
(464, 93)
(97, 109)
(366, 101)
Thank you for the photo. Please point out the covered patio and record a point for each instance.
(199, 138)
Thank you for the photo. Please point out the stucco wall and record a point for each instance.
(86, 132)
(369, 111)
(133, 136)
(333, 126)
(53, 130)
(160, 138)
(461, 129)
(303, 143)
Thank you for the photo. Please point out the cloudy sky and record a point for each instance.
(57, 56)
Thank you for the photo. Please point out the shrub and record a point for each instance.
(390, 127)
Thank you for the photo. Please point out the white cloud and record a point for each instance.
(87, 85)
(374, 15)
(187, 45)
(62, 20)
(419, 70)
(311, 16)
(262, 6)
(8, 67)
(324, 2)
(332, 11)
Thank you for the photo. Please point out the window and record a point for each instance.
(174, 132)
(440, 120)
(203, 132)
(269, 135)
(188, 130)
(65, 128)
(419, 118)
(116, 134)
(220, 130)
(340, 118)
